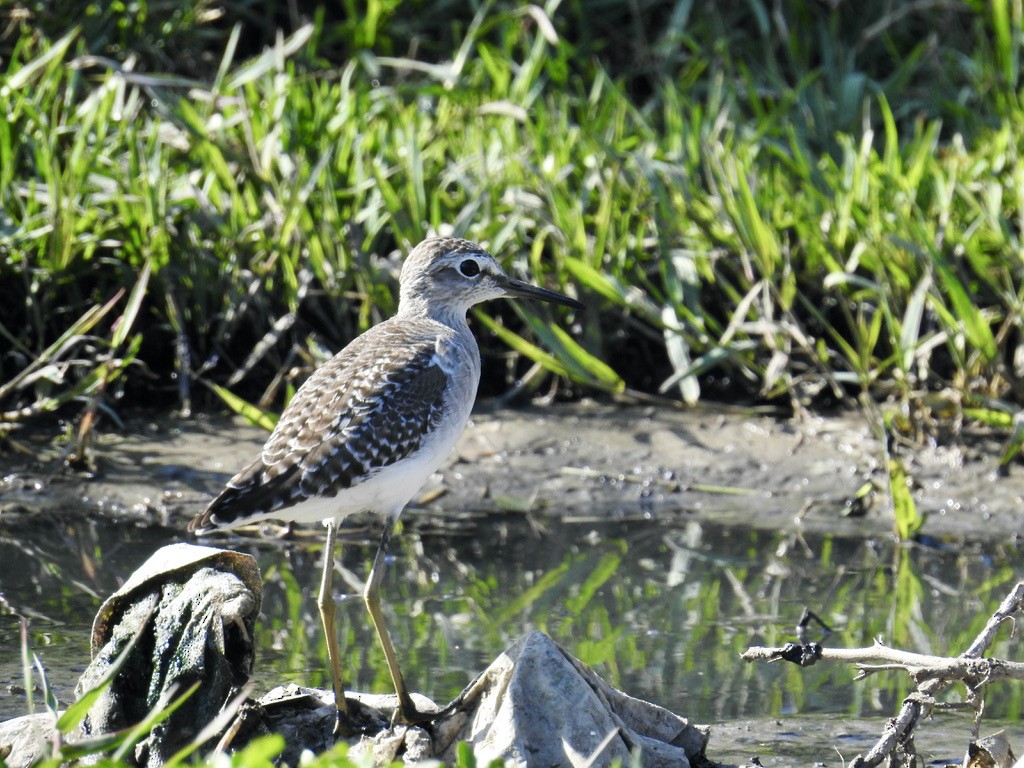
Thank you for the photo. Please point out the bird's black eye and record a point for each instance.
(469, 268)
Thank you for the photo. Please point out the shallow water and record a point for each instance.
(660, 610)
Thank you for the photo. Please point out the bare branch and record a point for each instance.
(971, 670)
(932, 673)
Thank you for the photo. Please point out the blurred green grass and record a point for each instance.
(802, 203)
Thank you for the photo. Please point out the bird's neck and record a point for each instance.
(416, 308)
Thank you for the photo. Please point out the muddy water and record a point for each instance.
(656, 547)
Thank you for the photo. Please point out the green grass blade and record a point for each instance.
(970, 318)
(594, 370)
(49, 699)
(251, 413)
(582, 366)
(990, 417)
(1011, 450)
(163, 709)
(1014, 444)
(124, 323)
(25, 75)
(679, 356)
(79, 328)
(603, 571)
(524, 347)
(26, 668)
(464, 755)
(211, 729)
(910, 328)
(75, 714)
(268, 61)
(613, 289)
(908, 520)
(1004, 43)
(264, 752)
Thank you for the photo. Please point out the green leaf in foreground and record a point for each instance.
(464, 757)
(75, 714)
(265, 751)
(49, 699)
(164, 708)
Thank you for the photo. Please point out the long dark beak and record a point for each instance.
(517, 289)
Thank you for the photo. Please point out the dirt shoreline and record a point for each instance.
(581, 461)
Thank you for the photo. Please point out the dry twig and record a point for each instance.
(932, 673)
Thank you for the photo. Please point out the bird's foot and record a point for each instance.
(343, 726)
(352, 719)
(407, 714)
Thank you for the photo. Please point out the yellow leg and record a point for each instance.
(406, 710)
(328, 609)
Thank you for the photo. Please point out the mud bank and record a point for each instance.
(578, 461)
(575, 462)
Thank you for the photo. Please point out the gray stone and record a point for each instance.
(26, 740)
(536, 705)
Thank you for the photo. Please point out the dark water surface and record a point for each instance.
(661, 611)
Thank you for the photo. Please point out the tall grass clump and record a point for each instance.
(802, 204)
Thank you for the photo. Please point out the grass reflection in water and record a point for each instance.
(661, 611)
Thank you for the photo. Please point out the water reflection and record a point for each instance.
(661, 611)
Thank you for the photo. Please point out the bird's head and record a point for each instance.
(448, 275)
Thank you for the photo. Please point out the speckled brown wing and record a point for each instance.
(370, 406)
